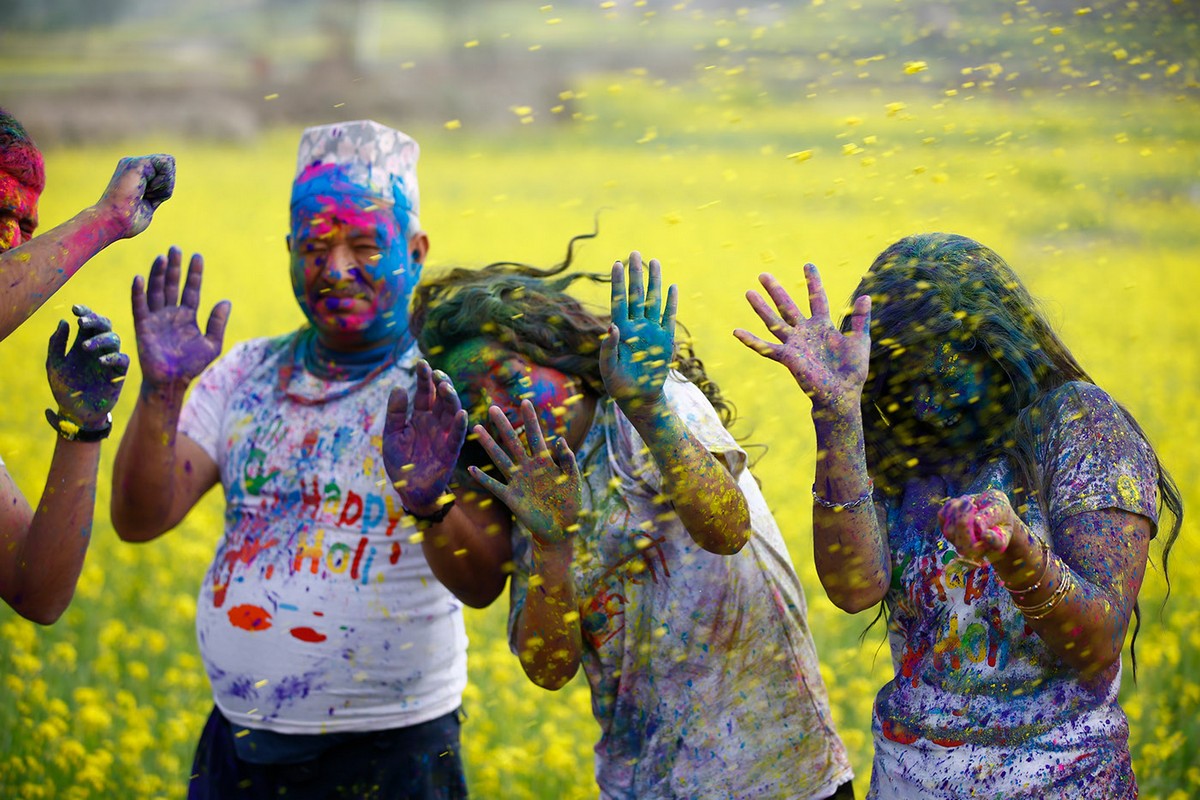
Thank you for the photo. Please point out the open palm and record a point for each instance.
(171, 348)
(827, 364)
(419, 451)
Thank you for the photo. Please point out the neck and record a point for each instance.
(339, 361)
(579, 420)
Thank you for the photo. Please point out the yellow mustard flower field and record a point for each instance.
(1094, 199)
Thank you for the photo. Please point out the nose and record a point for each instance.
(339, 265)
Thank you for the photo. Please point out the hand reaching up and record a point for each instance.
(543, 490)
(419, 452)
(87, 379)
(171, 349)
(138, 187)
(830, 366)
(636, 357)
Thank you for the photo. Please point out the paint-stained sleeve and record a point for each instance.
(1093, 458)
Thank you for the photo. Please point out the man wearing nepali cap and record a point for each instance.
(337, 660)
(42, 553)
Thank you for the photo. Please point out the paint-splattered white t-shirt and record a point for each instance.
(980, 706)
(703, 672)
(318, 614)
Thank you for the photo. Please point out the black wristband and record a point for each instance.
(72, 432)
(436, 516)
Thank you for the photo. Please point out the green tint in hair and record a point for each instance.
(930, 288)
(528, 310)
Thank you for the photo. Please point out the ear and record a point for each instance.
(418, 247)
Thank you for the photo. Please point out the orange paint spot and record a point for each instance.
(308, 635)
(250, 618)
(270, 571)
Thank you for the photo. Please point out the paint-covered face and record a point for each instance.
(352, 272)
(487, 374)
(949, 400)
(949, 383)
(18, 212)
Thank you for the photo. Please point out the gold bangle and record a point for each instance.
(1043, 609)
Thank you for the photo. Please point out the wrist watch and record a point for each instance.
(73, 432)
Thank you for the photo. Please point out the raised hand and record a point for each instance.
(978, 526)
(636, 357)
(87, 379)
(138, 187)
(829, 366)
(543, 490)
(170, 346)
(419, 452)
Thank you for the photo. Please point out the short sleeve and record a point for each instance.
(1094, 458)
(632, 460)
(205, 407)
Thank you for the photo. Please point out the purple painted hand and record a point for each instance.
(87, 379)
(978, 526)
(171, 348)
(636, 356)
(543, 491)
(138, 187)
(831, 367)
(419, 452)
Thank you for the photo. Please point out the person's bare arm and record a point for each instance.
(543, 491)
(37, 269)
(849, 541)
(42, 552)
(158, 474)
(635, 363)
(468, 547)
(1079, 595)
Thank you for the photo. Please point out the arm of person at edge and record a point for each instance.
(544, 493)
(158, 475)
(1103, 551)
(468, 548)
(849, 544)
(635, 360)
(36, 269)
(42, 553)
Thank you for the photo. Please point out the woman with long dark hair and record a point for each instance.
(641, 546)
(973, 478)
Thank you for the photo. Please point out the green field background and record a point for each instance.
(1093, 197)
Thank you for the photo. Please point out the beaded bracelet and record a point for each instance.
(864, 497)
(1065, 586)
(1045, 548)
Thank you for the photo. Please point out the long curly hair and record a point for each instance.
(529, 311)
(938, 287)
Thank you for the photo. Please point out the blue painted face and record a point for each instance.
(352, 272)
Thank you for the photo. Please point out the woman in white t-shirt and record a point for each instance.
(642, 547)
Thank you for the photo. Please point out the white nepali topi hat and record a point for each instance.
(371, 159)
